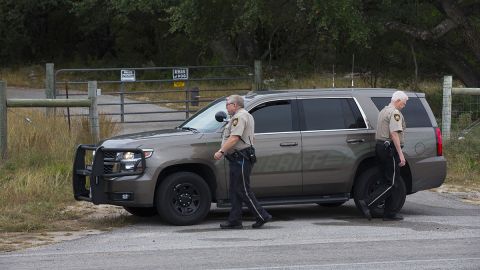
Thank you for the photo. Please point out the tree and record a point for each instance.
(451, 30)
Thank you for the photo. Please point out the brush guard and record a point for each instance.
(89, 180)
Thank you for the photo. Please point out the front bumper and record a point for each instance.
(92, 180)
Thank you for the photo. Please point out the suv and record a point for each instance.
(313, 146)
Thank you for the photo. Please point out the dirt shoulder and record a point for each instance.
(467, 195)
(87, 219)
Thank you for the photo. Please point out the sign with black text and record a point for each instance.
(127, 75)
(179, 74)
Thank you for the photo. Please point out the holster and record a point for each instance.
(248, 153)
(388, 148)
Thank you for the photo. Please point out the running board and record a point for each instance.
(336, 198)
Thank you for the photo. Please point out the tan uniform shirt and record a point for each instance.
(390, 120)
(241, 124)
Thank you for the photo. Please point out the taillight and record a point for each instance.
(438, 136)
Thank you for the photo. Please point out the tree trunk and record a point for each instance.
(470, 34)
(456, 19)
(414, 56)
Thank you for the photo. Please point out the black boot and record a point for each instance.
(229, 225)
(261, 222)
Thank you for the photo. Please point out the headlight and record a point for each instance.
(130, 162)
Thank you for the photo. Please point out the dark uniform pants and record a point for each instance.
(388, 160)
(240, 169)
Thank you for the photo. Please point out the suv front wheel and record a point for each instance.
(183, 198)
(368, 181)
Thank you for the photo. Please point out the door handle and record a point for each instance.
(285, 144)
(356, 141)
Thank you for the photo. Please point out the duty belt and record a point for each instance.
(236, 155)
(387, 143)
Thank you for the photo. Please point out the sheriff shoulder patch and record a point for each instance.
(397, 117)
(235, 122)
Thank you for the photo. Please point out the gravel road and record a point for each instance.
(439, 232)
(22, 93)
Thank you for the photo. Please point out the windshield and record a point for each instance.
(204, 120)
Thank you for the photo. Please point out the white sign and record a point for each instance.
(180, 74)
(127, 75)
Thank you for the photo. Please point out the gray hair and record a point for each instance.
(399, 95)
(236, 99)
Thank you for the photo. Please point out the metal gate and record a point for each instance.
(153, 94)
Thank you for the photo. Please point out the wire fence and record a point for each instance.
(465, 115)
(460, 110)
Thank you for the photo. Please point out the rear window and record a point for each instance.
(414, 113)
(331, 114)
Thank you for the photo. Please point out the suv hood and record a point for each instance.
(152, 138)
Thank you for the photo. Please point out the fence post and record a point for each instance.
(3, 120)
(257, 80)
(50, 85)
(447, 107)
(122, 102)
(93, 112)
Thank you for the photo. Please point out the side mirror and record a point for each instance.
(220, 116)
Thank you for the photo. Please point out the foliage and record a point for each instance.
(393, 40)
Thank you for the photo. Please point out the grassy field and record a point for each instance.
(35, 180)
(463, 156)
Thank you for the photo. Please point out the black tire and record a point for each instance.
(183, 198)
(368, 181)
(335, 204)
(142, 211)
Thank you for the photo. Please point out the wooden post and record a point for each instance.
(447, 107)
(257, 83)
(93, 112)
(3, 120)
(50, 85)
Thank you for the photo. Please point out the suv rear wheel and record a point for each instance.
(183, 198)
(366, 184)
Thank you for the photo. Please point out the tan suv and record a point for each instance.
(313, 146)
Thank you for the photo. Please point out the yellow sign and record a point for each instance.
(179, 84)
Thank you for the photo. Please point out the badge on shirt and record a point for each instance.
(397, 117)
(235, 122)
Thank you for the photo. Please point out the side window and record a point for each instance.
(331, 113)
(273, 116)
(414, 113)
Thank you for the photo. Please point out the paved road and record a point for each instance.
(439, 232)
(16, 92)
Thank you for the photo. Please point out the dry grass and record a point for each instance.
(463, 156)
(35, 178)
(31, 76)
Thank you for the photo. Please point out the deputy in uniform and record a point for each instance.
(238, 136)
(389, 142)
